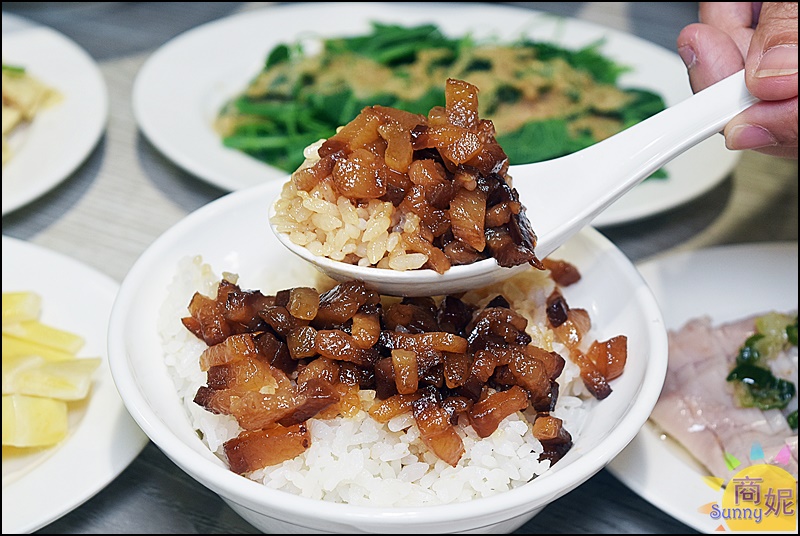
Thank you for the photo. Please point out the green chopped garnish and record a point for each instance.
(757, 386)
(760, 388)
(791, 333)
(748, 353)
(792, 420)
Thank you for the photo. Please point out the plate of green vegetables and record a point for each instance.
(236, 101)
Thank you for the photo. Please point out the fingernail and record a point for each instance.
(749, 137)
(688, 56)
(778, 61)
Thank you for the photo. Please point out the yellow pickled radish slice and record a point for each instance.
(41, 374)
(13, 364)
(14, 346)
(21, 306)
(45, 335)
(63, 380)
(31, 421)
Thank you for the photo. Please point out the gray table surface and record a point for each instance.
(126, 194)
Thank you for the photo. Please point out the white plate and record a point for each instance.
(39, 489)
(727, 283)
(181, 87)
(60, 137)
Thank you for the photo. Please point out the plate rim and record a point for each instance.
(105, 410)
(95, 98)
(648, 441)
(654, 197)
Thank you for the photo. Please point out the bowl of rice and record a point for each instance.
(357, 474)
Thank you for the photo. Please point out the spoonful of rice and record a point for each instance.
(418, 205)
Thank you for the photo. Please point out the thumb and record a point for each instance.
(771, 64)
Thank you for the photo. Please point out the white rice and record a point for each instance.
(369, 233)
(360, 461)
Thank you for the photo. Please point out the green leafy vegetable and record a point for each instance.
(301, 97)
(393, 44)
(279, 54)
(542, 140)
(643, 105)
(588, 59)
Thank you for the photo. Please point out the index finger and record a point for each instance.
(733, 18)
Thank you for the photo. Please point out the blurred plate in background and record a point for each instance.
(180, 89)
(62, 136)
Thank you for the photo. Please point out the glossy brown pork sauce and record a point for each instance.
(447, 168)
(273, 362)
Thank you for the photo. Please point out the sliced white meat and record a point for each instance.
(697, 407)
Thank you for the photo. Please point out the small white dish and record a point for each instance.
(208, 65)
(103, 439)
(727, 283)
(60, 137)
(232, 235)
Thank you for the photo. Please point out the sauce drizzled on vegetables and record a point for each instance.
(546, 101)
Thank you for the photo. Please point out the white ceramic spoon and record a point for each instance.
(565, 194)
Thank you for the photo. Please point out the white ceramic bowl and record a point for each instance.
(232, 234)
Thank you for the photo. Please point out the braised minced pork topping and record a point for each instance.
(443, 181)
(273, 362)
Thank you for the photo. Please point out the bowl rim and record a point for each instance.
(241, 490)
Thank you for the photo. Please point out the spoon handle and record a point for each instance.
(648, 145)
(583, 184)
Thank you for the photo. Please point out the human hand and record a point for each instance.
(760, 38)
